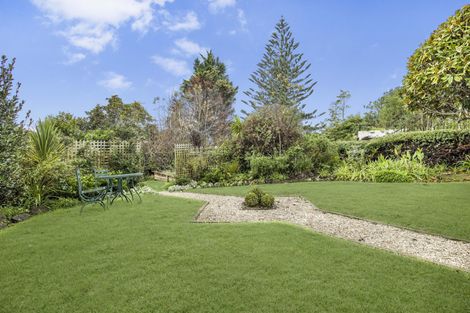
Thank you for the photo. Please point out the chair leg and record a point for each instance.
(81, 208)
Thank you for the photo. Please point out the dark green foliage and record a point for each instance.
(251, 200)
(12, 137)
(182, 181)
(265, 166)
(439, 146)
(267, 201)
(311, 155)
(118, 120)
(130, 161)
(281, 77)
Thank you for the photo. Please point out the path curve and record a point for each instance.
(301, 212)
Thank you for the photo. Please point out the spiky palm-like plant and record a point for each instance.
(44, 156)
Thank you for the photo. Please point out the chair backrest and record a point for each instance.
(79, 181)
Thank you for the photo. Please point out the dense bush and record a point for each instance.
(311, 155)
(439, 146)
(12, 137)
(251, 200)
(271, 130)
(129, 162)
(258, 198)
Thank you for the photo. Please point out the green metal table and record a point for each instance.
(119, 190)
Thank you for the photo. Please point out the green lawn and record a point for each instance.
(152, 258)
(442, 209)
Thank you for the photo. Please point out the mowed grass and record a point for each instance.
(151, 257)
(442, 209)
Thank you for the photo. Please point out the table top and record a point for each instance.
(109, 176)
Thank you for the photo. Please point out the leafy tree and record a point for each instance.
(125, 121)
(281, 77)
(438, 78)
(12, 136)
(338, 108)
(69, 126)
(347, 129)
(389, 111)
(208, 97)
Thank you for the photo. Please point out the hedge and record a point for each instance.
(439, 146)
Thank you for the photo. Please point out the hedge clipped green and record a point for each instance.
(256, 198)
(439, 146)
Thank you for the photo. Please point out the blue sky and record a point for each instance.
(73, 54)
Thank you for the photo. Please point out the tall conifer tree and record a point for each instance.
(281, 77)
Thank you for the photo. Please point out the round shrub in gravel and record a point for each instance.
(267, 201)
(251, 199)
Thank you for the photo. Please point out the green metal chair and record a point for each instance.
(90, 196)
(132, 186)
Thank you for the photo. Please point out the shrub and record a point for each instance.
(267, 201)
(310, 156)
(265, 166)
(251, 199)
(257, 198)
(438, 146)
(182, 181)
(270, 130)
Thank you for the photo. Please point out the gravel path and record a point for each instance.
(301, 212)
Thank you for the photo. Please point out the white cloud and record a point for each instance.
(92, 25)
(173, 66)
(187, 22)
(115, 81)
(242, 19)
(216, 6)
(73, 57)
(188, 47)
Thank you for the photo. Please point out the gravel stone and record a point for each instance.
(295, 210)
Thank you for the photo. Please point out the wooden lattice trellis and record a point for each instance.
(99, 150)
(183, 154)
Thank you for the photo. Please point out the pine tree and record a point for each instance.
(337, 109)
(208, 97)
(12, 137)
(281, 77)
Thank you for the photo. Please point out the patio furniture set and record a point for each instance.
(117, 186)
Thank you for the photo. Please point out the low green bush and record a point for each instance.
(267, 201)
(258, 198)
(251, 200)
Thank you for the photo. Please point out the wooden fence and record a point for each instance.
(99, 150)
